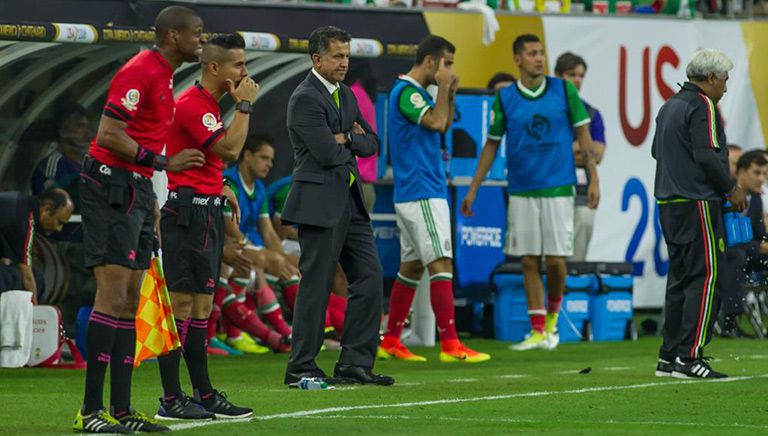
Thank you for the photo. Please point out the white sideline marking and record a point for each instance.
(409, 384)
(617, 368)
(463, 380)
(570, 371)
(514, 376)
(305, 413)
(528, 421)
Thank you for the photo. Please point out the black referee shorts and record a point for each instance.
(118, 216)
(192, 230)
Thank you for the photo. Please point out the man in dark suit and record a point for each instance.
(326, 202)
(742, 259)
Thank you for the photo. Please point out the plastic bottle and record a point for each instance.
(312, 384)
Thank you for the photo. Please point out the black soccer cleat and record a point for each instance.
(698, 368)
(219, 405)
(182, 407)
(99, 422)
(140, 422)
(664, 368)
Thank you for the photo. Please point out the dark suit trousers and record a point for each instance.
(351, 243)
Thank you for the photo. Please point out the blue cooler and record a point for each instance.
(510, 306)
(81, 329)
(611, 308)
(574, 312)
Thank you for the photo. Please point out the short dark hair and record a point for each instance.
(433, 46)
(254, 142)
(172, 18)
(568, 61)
(320, 38)
(520, 41)
(217, 48)
(736, 147)
(56, 198)
(746, 160)
(227, 40)
(68, 112)
(500, 77)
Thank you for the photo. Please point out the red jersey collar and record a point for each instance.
(162, 60)
(206, 94)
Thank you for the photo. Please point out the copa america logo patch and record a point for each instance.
(417, 100)
(131, 99)
(210, 121)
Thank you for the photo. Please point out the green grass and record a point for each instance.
(539, 390)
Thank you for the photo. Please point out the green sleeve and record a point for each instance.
(412, 104)
(280, 196)
(579, 115)
(232, 185)
(497, 124)
(264, 210)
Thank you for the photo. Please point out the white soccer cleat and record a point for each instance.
(533, 341)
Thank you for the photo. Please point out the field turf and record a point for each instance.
(516, 392)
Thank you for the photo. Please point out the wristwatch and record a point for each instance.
(349, 138)
(244, 106)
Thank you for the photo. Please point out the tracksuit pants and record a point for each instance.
(694, 233)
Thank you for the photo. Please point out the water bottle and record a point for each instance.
(312, 384)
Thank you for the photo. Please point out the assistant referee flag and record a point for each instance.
(156, 332)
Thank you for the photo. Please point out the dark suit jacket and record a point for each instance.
(321, 167)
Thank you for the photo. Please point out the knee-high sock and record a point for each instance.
(196, 356)
(101, 339)
(218, 300)
(121, 366)
(337, 308)
(267, 305)
(290, 290)
(441, 297)
(243, 318)
(400, 301)
(538, 319)
(169, 366)
(554, 303)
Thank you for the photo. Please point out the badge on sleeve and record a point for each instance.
(417, 100)
(131, 99)
(210, 121)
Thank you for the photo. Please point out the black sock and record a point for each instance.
(100, 339)
(121, 370)
(169, 368)
(196, 356)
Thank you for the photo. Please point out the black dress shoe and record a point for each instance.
(294, 377)
(347, 374)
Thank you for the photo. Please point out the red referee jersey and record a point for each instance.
(197, 125)
(141, 94)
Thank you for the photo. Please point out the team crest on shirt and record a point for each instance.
(210, 121)
(417, 100)
(131, 99)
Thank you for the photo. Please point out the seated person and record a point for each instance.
(261, 246)
(23, 216)
(60, 168)
(739, 260)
